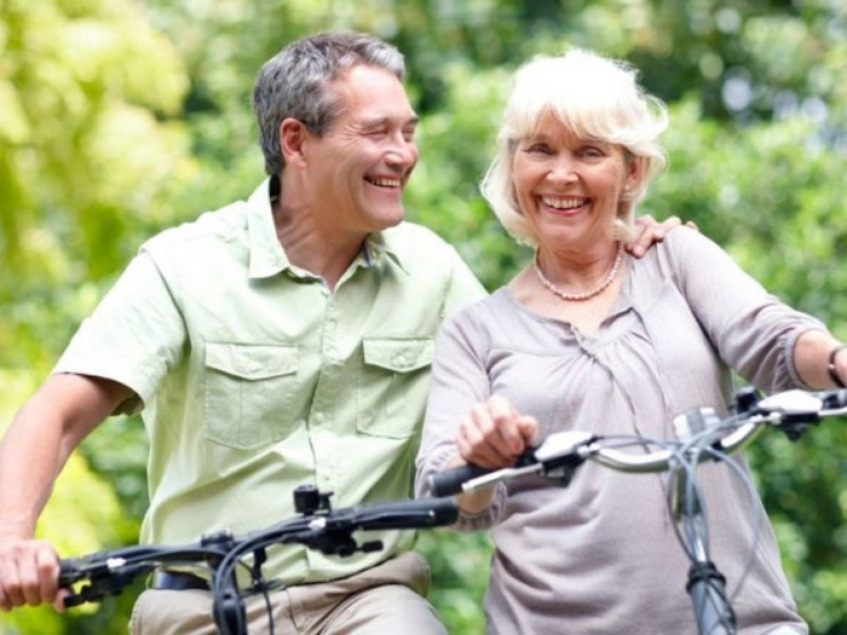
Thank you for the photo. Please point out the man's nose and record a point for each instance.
(403, 153)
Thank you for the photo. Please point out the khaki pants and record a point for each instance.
(388, 599)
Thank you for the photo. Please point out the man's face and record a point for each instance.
(357, 170)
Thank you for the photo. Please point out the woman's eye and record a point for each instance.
(538, 148)
(592, 152)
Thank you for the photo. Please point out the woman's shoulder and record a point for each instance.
(484, 309)
(686, 237)
(684, 245)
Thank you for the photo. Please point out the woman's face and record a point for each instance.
(569, 188)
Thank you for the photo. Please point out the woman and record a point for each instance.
(589, 338)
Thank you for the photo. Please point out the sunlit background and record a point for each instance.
(121, 117)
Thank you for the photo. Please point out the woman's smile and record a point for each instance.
(564, 206)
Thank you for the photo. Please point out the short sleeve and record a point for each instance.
(134, 336)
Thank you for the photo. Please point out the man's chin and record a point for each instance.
(391, 219)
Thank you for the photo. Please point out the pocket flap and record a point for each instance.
(251, 361)
(401, 356)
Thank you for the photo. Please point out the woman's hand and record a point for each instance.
(494, 434)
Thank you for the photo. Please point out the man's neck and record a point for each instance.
(314, 246)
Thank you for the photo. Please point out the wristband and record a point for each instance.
(833, 375)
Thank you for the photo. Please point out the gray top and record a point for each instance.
(601, 556)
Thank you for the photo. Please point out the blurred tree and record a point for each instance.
(86, 151)
(103, 139)
(89, 144)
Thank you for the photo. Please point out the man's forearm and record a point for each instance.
(31, 457)
(41, 438)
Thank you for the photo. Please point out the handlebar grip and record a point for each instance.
(411, 514)
(68, 572)
(449, 481)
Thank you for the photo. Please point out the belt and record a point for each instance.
(172, 581)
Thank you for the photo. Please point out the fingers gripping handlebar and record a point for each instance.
(553, 458)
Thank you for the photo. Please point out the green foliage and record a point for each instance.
(119, 117)
(459, 562)
(85, 152)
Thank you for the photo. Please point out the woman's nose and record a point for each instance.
(562, 170)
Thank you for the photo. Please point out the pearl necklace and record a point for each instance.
(580, 297)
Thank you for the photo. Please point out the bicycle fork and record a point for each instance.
(706, 585)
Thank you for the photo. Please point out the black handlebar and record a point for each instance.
(412, 514)
(107, 573)
(450, 481)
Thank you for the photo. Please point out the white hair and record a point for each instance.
(596, 98)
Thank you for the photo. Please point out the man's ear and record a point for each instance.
(292, 137)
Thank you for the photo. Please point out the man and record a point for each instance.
(281, 340)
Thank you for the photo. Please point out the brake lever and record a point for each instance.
(558, 456)
(103, 582)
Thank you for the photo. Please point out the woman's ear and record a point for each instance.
(292, 137)
(635, 169)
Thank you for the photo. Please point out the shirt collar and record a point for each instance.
(379, 246)
(268, 258)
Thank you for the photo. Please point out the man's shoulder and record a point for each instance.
(222, 225)
(412, 238)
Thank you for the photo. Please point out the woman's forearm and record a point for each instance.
(811, 359)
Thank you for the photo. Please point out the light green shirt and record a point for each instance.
(255, 378)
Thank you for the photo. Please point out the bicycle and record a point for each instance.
(701, 435)
(93, 577)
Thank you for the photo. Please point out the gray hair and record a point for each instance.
(597, 98)
(296, 83)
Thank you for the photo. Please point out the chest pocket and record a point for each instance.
(249, 389)
(392, 387)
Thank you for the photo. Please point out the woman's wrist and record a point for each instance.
(835, 374)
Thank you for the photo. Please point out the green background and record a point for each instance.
(121, 117)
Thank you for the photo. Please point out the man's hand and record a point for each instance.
(652, 231)
(29, 574)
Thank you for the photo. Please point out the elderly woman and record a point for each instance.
(588, 338)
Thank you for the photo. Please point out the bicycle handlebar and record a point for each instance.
(318, 527)
(559, 455)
